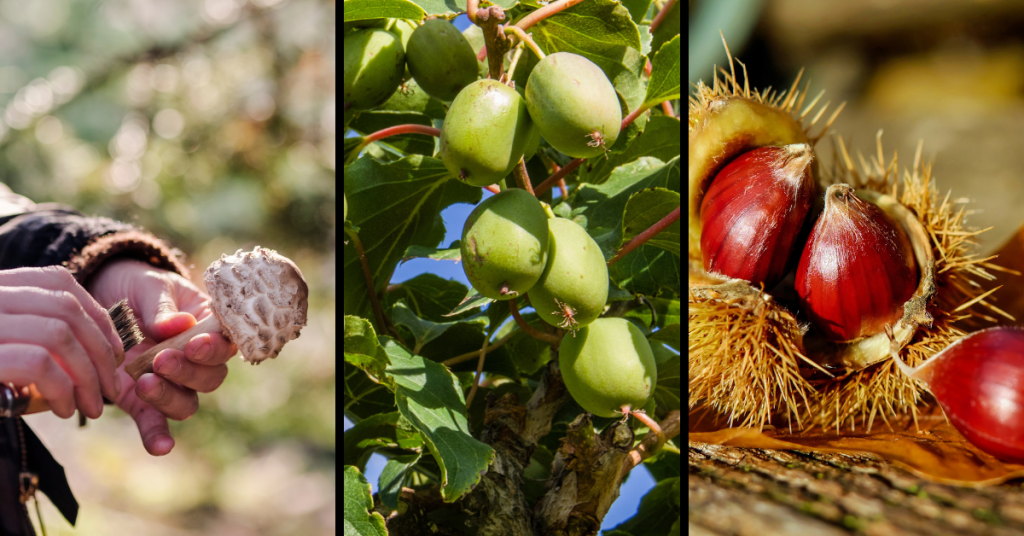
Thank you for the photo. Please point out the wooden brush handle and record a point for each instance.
(144, 363)
(36, 404)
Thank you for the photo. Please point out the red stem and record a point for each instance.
(400, 129)
(559, 175)
(528, 329)
(545, 12)
(643, 237)
(392, 131)
(661, 14)
(655, 429)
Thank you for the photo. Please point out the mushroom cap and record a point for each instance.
(260, 299)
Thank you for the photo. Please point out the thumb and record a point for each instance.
(161, 318)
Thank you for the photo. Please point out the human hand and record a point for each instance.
(165, 304)
(55, 335)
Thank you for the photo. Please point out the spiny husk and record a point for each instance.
(744, 349)
(960, 303)
(744, 355)
(727, 119)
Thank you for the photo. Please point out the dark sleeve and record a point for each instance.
(57, 235)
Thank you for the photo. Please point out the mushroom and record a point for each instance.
(259, 302)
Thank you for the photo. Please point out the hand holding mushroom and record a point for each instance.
(167, 304)
(258, 300)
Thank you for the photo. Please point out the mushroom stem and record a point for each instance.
(144, 363)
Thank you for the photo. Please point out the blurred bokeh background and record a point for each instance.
(948, 72)
(209, 123)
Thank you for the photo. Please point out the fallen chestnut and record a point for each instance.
(979, 382)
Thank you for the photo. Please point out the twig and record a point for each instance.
(526, 39)
(523, 177)
(470, 355)
(669, 428)
(377, 311)
(479, 371)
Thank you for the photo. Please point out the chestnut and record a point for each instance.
(857, 269)
(979, 383)
(754, 211)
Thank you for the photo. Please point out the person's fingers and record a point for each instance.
(58, 339)
(63, 280)
(24, 364)
(210, 349)
(153, 428)
(158, 309)
(173, 365)
(59, 278)
(174, 401)
(53, 292)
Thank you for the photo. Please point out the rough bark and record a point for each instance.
(765, 492)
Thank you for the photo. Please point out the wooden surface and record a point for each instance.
(767, 493)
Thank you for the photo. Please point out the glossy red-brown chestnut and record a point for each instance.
(979, 382)
(857, 269)
(753, 213)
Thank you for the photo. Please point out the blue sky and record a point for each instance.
(638, 484)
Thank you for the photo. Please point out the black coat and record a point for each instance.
(47, 235)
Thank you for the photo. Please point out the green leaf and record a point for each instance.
(665, 74)
(395, 206)
(604, 204)
(431, 399)
(645, 209)
(648, 270)
(361, 346)
(359, 521)
(393, 477)
(365, 397)
(453, 253)
(423, 331)
(670, 335)
(354, 10)
(664, 465)
(377, 431)
(667, 392)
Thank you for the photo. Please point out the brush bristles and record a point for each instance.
(124, 321)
